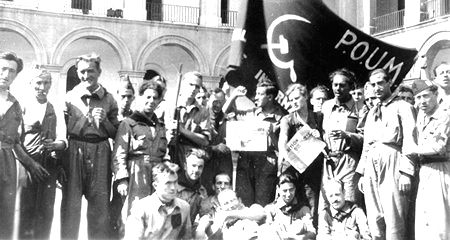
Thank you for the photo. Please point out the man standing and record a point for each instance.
(442, 79)
(220, 155)
(44, 132)
(433, 152)
(343, 135)
(256, 173)
(10, 145)
(91, 114)
(191, 128)
(386, 168)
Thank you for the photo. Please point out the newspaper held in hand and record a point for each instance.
(303, 148)
(247, 136)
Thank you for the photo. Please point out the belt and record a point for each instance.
(433, 159)
(6, 145)
(88, 138)
(336, 154)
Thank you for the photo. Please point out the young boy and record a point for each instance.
(342, 219)
(286, 215)
(161, 215)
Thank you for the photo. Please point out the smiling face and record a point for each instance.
(443, 76)
(88, 73)
(336, 196)
(216, 102)
(194, 167)
(287, 192)
(261, 97)
(8, 72)
(149, 101)
(41, 87)
(222, 182)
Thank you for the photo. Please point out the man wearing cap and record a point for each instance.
(387, 171)
(91, 114)
(433, 152)
(126, 97)
(43, 133)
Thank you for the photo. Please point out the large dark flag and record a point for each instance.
(303, 41)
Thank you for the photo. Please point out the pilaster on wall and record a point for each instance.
(135, 10)
(369, 12)
(412, 12)
(210, 13)
(135, 77)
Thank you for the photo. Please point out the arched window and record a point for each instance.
(72, 78)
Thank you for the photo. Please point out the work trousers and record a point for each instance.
(8, 181)
(387, 208)
(37, 203)
(256, 177)
(88, 170)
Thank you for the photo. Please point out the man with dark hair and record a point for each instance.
(190, 188)
(221, 182)
(126, 97)
(406, 93)
(288, 216)
(161, 215)
(44, 133)
(140, 144)
(256, 174)
(219, 154)
(342, 125)
(91, 114)
(11, 147)
(386, 168)
(317, 96)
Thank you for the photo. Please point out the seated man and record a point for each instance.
(221, 182)
(189, 187)
(286, 216)
(161, 215)
(232, 220)
(342, 219)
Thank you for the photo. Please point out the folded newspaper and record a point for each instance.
(303, 148)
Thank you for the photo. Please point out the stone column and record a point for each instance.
(412, 12)
(369, 12)
(210, 13)
(135, 10)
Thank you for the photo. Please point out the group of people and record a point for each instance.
(149, 170)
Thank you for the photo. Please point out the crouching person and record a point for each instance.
(232, 220)
(341, 219)
(286, 216)
(161, 215)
